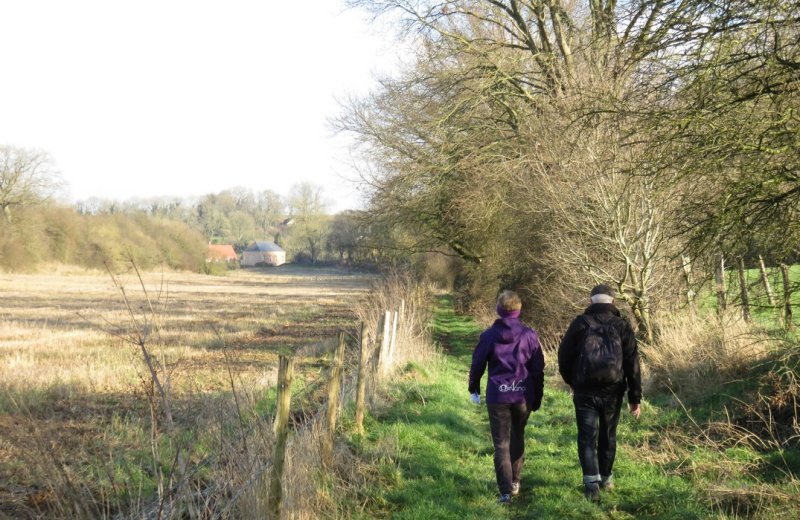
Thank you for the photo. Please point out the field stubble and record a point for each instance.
(75, 388)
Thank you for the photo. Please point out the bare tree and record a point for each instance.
(306, 199)
(510, 139)
(26, 178)
(726, 125)
(241, 227)
(309, 223)
(212, 220)
(346, 235)
(269, 210)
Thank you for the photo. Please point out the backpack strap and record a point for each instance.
(589, 320)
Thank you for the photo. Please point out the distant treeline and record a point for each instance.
(60, 234)
(175, 232)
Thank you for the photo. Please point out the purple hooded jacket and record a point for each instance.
(514, 356)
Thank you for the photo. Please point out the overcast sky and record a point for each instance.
(185, 97)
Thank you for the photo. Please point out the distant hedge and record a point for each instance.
(60, 234)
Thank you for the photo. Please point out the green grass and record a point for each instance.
(431, 455)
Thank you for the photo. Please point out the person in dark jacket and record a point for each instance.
(598, 405)
(514, 388)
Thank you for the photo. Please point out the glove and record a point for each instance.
(475, 398)
(534, 406)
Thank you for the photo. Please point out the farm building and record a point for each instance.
(221, 253)
(263, 252)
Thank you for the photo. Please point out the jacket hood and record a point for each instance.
(508, 329)
(508, 349)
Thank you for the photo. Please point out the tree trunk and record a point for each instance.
(787, 297)
(743, 292)
(687, 275)
(562, 37)
(642, 314)
(765, 280)
(639, 305)
(719, 276)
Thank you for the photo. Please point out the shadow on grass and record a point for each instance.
(442, 461)
(445, 457)
(456, 335)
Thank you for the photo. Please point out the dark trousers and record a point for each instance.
(507, 422)
(597, 418)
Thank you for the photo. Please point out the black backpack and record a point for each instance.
(600, 357)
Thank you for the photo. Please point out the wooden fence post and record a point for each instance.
(393, 340)
(387, 325)
(334, 390)
(401, 315)
(281, 430)
(361, 387)
(787, 297)
(765, 280)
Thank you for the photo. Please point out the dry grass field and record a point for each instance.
(74, 409)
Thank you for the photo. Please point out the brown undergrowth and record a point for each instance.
(736, 390)
(694, 354)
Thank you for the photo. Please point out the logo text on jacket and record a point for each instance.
(513, 387)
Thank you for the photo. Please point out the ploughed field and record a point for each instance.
(74, 405)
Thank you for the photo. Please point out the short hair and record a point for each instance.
(509, 301)
(602, 294)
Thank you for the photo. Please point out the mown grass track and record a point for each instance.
(431, 453)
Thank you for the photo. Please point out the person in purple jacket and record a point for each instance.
(514, 388)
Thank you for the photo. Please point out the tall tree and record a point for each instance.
(26, 178)
(241, 228)
(309, 223)
(729, 128)
(212, 220)
(346, 235)
(269, 210)
(495, 142)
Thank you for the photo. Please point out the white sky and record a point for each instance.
(151, 98)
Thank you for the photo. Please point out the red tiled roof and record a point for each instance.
(221, 252)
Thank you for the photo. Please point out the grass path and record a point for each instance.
(433, 452)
